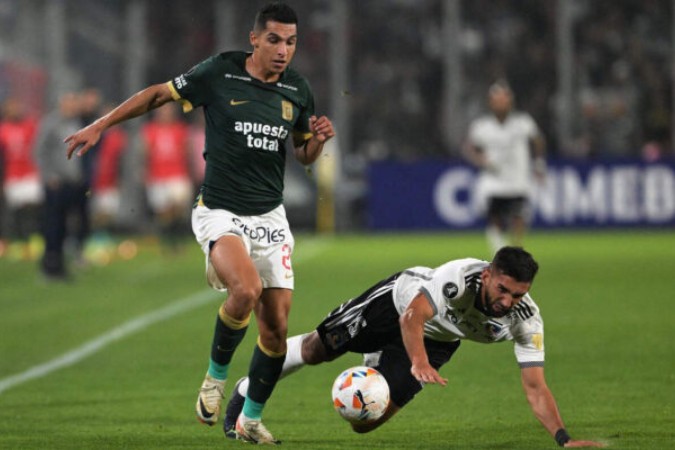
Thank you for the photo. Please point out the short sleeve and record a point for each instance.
(301, 131)
(528, 337)
(447, 283)
(193, 88)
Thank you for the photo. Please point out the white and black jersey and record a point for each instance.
(506, 146)
(369, 323)
(452, 291)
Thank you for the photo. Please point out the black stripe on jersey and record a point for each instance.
(524, 311)
(473, 282)
(358, 309)
(473, 272)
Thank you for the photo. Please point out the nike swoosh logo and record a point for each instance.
(207, 414)
(234, 102)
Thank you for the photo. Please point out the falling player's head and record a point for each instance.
(516, 263)
(507, 280)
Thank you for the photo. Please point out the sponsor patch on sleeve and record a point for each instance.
(538, 341)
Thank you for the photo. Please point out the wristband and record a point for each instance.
(561, 437)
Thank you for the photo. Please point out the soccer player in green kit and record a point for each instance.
(252, 102)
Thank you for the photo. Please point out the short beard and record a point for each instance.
(489, 310)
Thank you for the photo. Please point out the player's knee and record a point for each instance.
(274, 338)
(246, 294)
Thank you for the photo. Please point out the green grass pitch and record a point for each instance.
(606, 298)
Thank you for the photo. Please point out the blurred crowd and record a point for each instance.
(621, 103)
(622, 81)
(622, 78)
(64, 212)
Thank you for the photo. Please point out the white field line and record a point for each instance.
(140, 323)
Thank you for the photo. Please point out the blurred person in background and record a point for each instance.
(508, 149)
(253, 101)
(62, 184)
(168, 184)
(21, 180)
(105, 204)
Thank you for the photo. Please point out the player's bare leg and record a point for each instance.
(236, 270)
(495, 235)
(301, 350)
(313, 351)
(266, 364)
(518, 229)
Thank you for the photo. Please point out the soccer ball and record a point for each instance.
(360, 394)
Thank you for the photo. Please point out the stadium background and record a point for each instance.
(401, 79)
(113, 359)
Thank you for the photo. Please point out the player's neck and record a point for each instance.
(502, 116)
(258, 72)
(479, 302)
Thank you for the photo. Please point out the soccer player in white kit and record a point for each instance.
(410, 324)
(508, 148)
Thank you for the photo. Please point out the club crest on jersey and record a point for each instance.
(450, 290)
(286, 110)
(493, 328)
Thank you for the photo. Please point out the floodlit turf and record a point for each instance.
(606, 298)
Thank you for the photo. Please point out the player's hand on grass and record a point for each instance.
(579, 444)
(424, 373)
(83, 140)
(321, 128)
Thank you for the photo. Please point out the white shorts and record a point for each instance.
(106, 202)
(267, 238)
(23, 191)
(165, 194)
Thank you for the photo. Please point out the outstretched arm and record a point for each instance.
(322, 130)
(140, 103)
(412, 329)
(545, 408)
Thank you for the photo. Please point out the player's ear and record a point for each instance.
(253, 39)
(485, 274)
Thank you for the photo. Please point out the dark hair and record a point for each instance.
(516, 263)
(500, 85)
(277, 12)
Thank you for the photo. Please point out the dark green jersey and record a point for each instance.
(247, 124)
